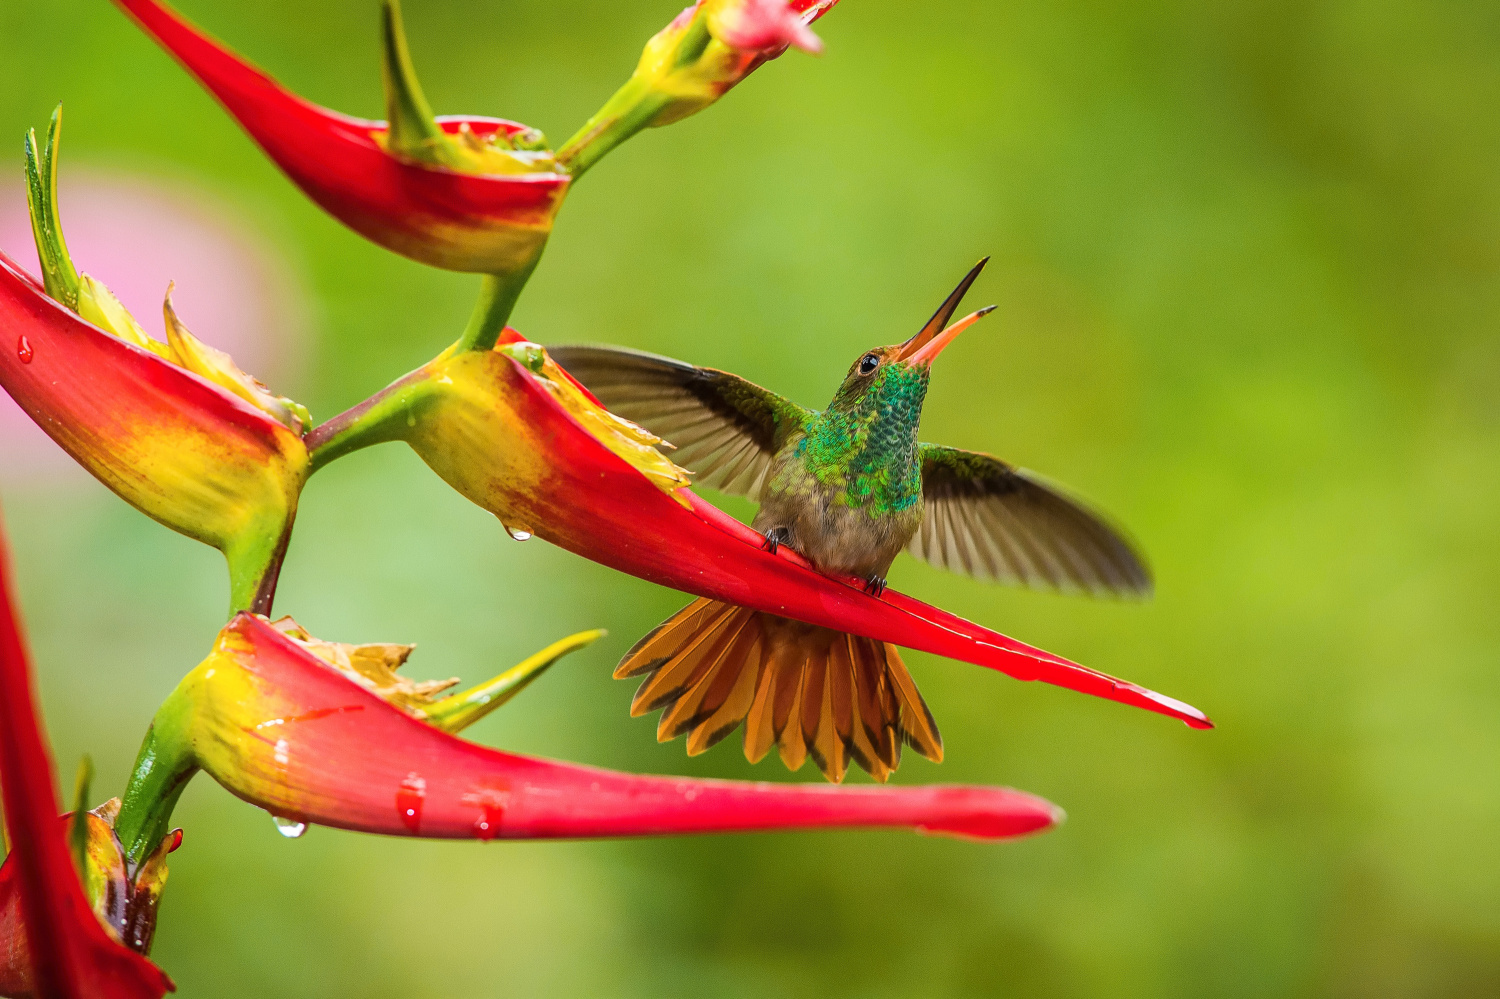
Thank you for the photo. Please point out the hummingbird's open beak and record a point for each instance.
(937, 334)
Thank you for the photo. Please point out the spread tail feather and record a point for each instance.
(809, 691)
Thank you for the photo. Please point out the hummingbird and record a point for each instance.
(848, 488)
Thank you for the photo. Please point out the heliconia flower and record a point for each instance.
(690, 64)
(490, 423)
(175, 428)
(52, 943)
(288, 729)
(462, 193)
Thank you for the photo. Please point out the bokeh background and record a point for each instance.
(1247, 263)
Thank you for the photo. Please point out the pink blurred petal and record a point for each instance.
(762, 25)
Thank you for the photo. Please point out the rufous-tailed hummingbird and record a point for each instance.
(848, 488)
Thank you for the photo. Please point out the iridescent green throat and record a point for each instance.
(864, 446)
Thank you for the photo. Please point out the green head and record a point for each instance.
(891, 382)
(864, 446)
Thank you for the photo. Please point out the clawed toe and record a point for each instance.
(875, 586)
(775, 538)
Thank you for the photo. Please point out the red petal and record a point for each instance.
(439, 217)
(62, 951)
(333, 753)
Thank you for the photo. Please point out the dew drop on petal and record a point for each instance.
(487, 826)
(290, 828)
(24, 351)
(409, 800)
(516, 533)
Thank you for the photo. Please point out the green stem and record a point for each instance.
(255, 565)
(498, 294)
(632, 108)
(158, 780)
(390, 413)
(385, 416)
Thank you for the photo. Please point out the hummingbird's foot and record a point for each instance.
(875, 586)
(775, 538)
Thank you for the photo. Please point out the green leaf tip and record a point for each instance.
(58, 274)
(78, 828)
(411, 130)
(459, 711)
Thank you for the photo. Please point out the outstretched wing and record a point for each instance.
(725, 428)
(993, 521)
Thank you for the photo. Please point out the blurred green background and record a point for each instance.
(1247, 262)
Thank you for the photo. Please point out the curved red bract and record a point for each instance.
(61, 951)
(178, 447)
(536, 467)
(315, 747)
(464, 222)
(72, 369)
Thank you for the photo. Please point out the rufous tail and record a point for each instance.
(810, 691)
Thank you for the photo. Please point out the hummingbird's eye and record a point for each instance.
(868, 364)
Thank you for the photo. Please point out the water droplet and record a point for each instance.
(409, 801)
(487, 826)
(290, 828)
(517, 533)
(24, 351)
(283, 752)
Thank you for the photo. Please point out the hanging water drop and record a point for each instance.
(409, 799)
(290, 828)
(487, 826)
(24, 351)
(517, 534)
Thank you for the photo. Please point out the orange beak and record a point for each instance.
(937, 334)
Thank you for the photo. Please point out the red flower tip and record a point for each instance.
(762, 25)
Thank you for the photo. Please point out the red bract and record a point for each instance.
(60, 951)
(459, 221)
(181, 449)
(492, 428)
(284, 730)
